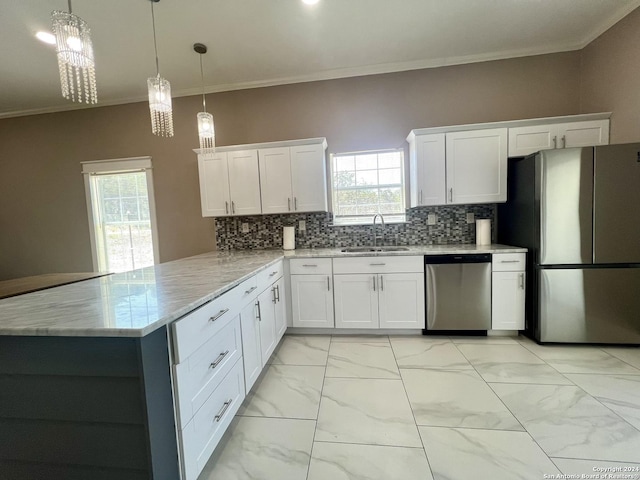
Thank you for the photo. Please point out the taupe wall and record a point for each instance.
(43, 220)
(610, 76)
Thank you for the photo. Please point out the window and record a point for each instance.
(366, 183)
(121, 214)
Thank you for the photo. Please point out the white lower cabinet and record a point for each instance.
(201, 436)
(280, 309)
(379, 292)
(311, 292)
(508, 291)
(356, 301)
(267, 323)
(401, 300)
(263, 320)
(251, 351)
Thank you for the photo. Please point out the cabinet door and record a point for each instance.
(428, 170)
(401, 297)
(356, 301)
(267, 323)
(507, 300)
(275, 180)
(214, 185)
(312, 301)
(309, 178)
(526, 140)
(477, 166)
(583, 134)
(244, 182)
(251, 351)
(280, 309)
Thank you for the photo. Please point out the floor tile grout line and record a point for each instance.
(315, 429)
(511, 412)
(424, 449)
(368, 444)
(599, 460)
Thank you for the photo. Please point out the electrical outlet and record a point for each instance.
(432, 219)
(470, 218)
(245, 228)
(302, 225)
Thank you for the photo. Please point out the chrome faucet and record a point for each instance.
(375, 238)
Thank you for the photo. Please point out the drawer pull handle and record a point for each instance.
(273, 273)
(309, 265)
(509, 261)
(218, 315)
(377, 264)
(220, 414)
(219, 359)
(247, 292)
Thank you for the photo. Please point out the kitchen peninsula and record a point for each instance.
(88, 385)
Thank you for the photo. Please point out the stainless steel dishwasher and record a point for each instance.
(458, 293)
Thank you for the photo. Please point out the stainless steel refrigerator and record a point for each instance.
(577, 210)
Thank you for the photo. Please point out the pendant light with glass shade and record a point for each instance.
(75, 56)
(206, 129)
(159, 95)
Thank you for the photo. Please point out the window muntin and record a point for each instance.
(366, 183)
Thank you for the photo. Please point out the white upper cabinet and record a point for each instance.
(477, 166)
(244, 182)
(293, 179)
(214, 185)
(275, 179)
(427, 170)
(309, 178)
(229, 183)
(458, 167)
(530, 139)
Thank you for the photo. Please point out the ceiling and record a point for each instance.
(256, 43)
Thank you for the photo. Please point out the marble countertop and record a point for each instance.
(411, 250)
(134, 304)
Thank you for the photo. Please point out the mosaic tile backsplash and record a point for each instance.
(265, 231)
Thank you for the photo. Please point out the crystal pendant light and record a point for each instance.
(206, 129)
(159, 95)
(75, 57)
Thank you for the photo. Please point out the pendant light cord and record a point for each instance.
(204, 101)
(70, 7)
(155, 43)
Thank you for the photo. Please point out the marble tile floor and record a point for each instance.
(443, 408)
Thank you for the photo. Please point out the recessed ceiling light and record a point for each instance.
(310, 2)
(46, 37)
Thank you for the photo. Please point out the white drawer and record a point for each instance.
(195, 328)
(310, 266)
(247, 291)
(508, 262)
(269, 275)
(202, 434)
(396, 264)
(202, 372)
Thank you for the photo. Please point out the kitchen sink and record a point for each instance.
(373, 249)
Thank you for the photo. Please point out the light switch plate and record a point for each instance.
(470, 218)
(302, 225)
(432, 219)
(245, 227)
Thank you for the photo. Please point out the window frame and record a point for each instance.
(367, 219)
(115, 166)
